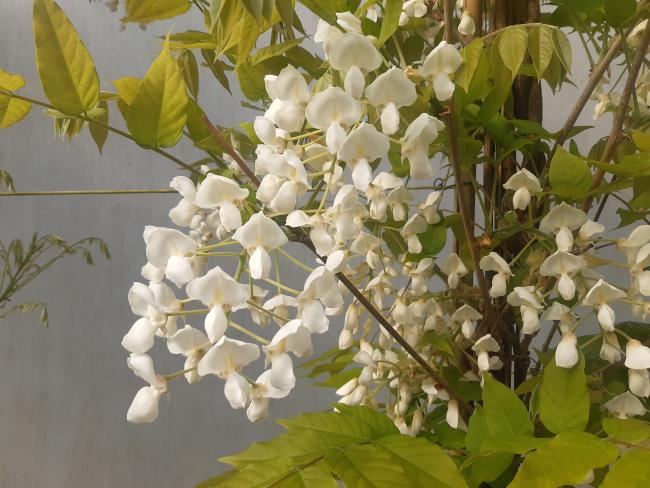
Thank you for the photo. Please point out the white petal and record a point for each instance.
(144, 408)
(258, 409)
(142, 367)
(230, 216)
(236, 390)
(361, 174)
(566, 353)
(282, 376)
(334, 137)
(443, 87)
(390, 119)
(521, 198)
(140, 338)
(637, 356)
(179, 270)
(216, 323)
(354, 82)
(259, 263)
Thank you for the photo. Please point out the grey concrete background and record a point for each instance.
(64, 392)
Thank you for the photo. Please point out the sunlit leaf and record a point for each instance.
(158, 112)
(66, 70)
(144, 11)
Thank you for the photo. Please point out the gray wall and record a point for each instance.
(65, 391)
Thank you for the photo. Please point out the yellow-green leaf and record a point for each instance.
(565, 460)
(631, 471)
(99, 131)
(144, 11)
(158, 111)
(641, 140)
(12, 110)
(540, 48)
(564, 397)
(512, 47)
(392, 12)
(66, 70)
(127, 87)
(10, 81)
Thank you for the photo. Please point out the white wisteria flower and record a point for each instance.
(523, 183)
(219, 292)
(363, 145)
(416, 142)
(599, 297)
(439, 67)
(389, 92)
(259, 236)
(495, 263)
(333, 111)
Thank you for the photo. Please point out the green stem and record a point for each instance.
(110, 128)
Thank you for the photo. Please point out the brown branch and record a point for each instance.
(228, 149)
(595, 77)
(304, 239)
(463, 205)
(621, 114)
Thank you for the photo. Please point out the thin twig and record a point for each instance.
(228, 149)
(115, 130)
(454, 159)
(83, 192)
(621, 114)
(595, 77)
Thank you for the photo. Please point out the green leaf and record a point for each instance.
(12, 110)
(424, 463)
(641, 192)
(628, 430)
(144, 11)
(512, 47)
(281, 471)
(563, 49)
(66, 70)
(565, 460)
(540, 48)
(367, 466)
(274, 50)
(631, 471)
(515, 444)
(433, 241)
(569, 175)
(390, 23)
(641, 140)
(323, 10)
(158, 112)
(505, 414)
(309, 434)
(379, 424)
(629, 166)
(564, 397)
(471, 54)
(618, 11)
(99, 132)
(482, 468)
(190, 70)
